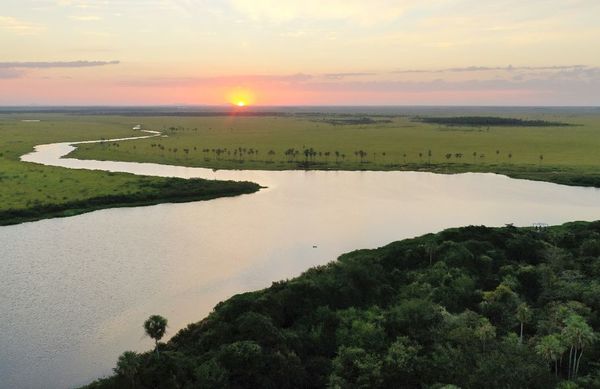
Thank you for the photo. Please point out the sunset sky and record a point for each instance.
(309, 52)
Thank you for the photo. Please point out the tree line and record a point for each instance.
(309, 155)
(482, 121)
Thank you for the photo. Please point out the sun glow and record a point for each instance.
(241, 97)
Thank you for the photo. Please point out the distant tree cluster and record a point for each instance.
(473, 307)
(356, 121)
(482, 121)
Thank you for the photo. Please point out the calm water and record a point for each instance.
(74, 292)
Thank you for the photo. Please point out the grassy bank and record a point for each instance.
(552, 152)
(32, 192)
(473, 307)
(145, 191)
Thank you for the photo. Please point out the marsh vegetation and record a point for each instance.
(519, 148)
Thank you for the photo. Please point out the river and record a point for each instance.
(75, 291)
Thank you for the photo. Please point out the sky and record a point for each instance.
(309, 52)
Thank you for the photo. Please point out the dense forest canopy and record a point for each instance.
(472, 307)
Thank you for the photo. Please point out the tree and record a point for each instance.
(550, 348)
(430, 247)
(361, 154)
(155, 327)
(577, 334)
(399, 361)
(485, 331)
(500, 305)
(524, 316)
(211, 374)
(307, 153)
(127, 366)
(353, 367)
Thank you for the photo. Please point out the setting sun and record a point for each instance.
(241, 97)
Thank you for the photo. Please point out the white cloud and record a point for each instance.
(55, 64)
(358, 11)
(18, 26)
(85, 18)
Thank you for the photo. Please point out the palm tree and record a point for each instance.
(307, 153)
(361, 154)
(127, 366)
(155, 327)
(550, 348)
(430, 248)
(524, 316)
(577, 334)
(485, 331)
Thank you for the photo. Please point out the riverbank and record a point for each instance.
(586, 176)
(151, 191)
(30, 192)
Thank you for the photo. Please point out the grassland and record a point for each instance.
(31, 192)
(555, 152)
(281, 141)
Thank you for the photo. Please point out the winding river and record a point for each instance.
(75, 291)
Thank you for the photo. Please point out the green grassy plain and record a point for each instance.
(29, 191)
(567, 155)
